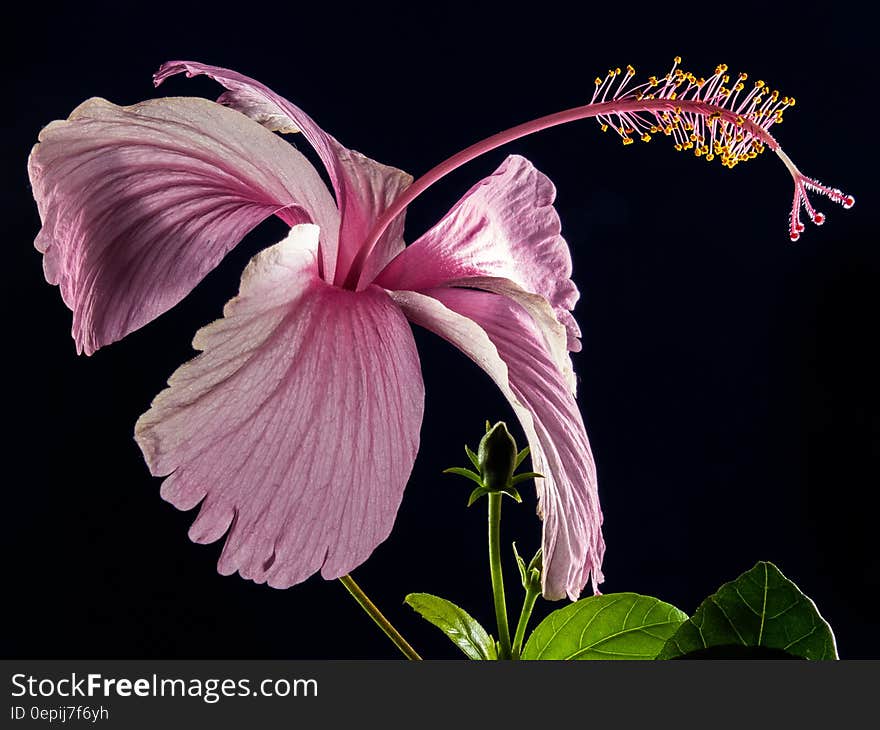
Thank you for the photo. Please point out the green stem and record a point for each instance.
(495, 572)
(524, 616)
(375, 614)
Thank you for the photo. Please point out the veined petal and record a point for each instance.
(364, 187)
(297, 425)
(505, 226)
(139, 203)
(499, 335)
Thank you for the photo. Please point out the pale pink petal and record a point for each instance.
(139, 203)
(364, 187)
(500, 336)
(504, 227)
(297, 425)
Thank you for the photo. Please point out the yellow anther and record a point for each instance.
(673, 95)
(710, 157)
(646, 137)
(677, 60)
(598, 81)
(740, 121)
(604, 127)
(759, 84)
(739, 87)
(678, 147)
(791, 101)
(743, 76)
(627, 140)
(617, 72)
(725, 79)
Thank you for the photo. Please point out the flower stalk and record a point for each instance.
(532, 593)
(374, 613)
(497, 575)
(531, 582)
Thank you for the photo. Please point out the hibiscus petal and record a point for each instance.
(505, 226)
(139, 203)
(364, 188)
(499, 335)
(296, 427)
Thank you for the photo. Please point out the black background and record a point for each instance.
(728, 377)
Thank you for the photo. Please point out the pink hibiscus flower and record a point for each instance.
(297, 426)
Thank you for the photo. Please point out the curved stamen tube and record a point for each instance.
(699, 114)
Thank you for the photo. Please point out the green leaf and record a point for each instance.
(520, 457)
(762, 609)
(464, 631)
(613, 626)
(472, 456)
(462, 472)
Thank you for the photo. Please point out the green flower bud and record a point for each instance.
(497, 457)
(530, 574)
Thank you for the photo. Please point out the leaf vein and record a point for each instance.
(730, 623)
